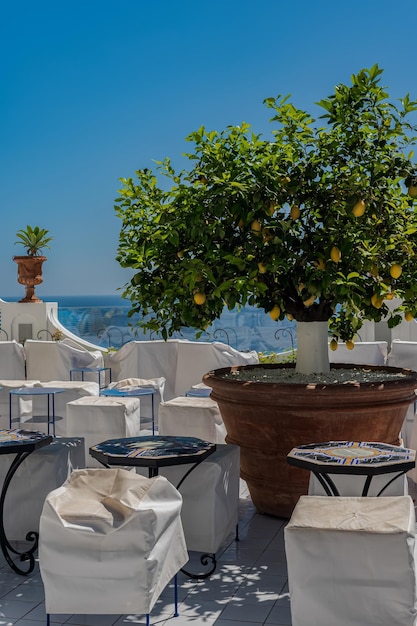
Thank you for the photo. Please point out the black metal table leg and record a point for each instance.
(33, 536)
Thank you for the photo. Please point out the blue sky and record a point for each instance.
(92, 91)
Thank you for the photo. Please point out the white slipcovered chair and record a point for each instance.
(41, 472)
(146, 402)
(352, 561)
(53, 360)
(363, 353)
(73, 391)
(210, 496)
(192, 417)
(182, 363)
(196, 358)
(404, 354)
(110, 542)
(25, 404)
(12, 360)
(97, 419)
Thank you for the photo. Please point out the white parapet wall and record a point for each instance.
(39, 320)
(26, 320)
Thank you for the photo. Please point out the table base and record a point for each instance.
(7, 549)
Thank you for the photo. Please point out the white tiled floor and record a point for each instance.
(249, 586)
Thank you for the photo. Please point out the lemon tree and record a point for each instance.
(316, 223)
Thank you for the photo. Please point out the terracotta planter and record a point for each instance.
(29, 274)
(268, 419)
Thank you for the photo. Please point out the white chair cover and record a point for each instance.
(146, 401)
(182, 363)
(110, 541)
(350, 485)
(352, 561)
(99, 419)
(210, 498)
(145, 360)
(41, 472)
(404, 354)
(12, 360)
(364, 353)
(73, 391)
(24, 405)
(196, 358)
(53, 360)
(192, 417)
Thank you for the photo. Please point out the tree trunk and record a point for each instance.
(312, 348)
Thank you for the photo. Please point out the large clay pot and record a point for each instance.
(29, 274)
(268, 419)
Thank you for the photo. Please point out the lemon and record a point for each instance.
(256, 227)
(408, 316)
(199, 298)
(266, 236)
(395, 270)
(320, 264)
(376, 301)
(290, 317)
(180, 254)
(262, 268)
(335, 254)
(349, 344)
(412, 191)
(275, 312)
(333, 345)
(359, 208)
(241, 224)
(295, 212)
(309, 301)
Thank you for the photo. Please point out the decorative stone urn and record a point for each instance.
(29, 274)
(268, 419)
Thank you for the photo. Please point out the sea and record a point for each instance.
(103, 320)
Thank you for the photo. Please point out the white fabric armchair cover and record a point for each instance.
(404, 354)
(352, 561)
(110, 541)
(146, 402)
(73, 391)
(42, 471)
(210, 496)
(12, 360)
(53, 360)
(364, 353)
(182, 363)
(24, 404)
(99, 419)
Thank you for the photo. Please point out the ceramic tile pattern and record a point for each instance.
(249, 586)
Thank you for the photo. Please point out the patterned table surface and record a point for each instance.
(16, 440)
(352, 457)
(152, 451)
